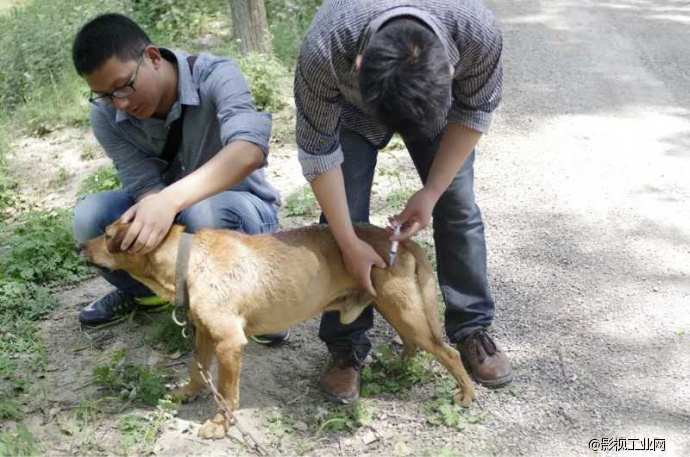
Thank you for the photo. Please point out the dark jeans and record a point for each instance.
(458, 235)
(232, 210)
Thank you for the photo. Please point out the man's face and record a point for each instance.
(115, 79)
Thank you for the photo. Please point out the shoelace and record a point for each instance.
(482, 344)
(346, 359)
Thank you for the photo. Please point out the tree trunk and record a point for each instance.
(250, 27)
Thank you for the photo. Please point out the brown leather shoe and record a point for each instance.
(485, 361)
(340, 381)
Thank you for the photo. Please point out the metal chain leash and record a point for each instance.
(188, 332)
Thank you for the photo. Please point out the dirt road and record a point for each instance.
(584, 185)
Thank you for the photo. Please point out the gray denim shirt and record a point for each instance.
(219, 111)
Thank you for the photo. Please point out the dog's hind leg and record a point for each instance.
(203, 356)
(229, 357)
(404, 311)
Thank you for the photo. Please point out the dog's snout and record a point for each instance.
(78, 249)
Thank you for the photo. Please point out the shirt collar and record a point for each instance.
(187, 92)
(431, 21)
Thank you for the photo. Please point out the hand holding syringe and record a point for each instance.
(393, 253)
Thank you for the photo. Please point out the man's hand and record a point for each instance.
(151, 220)
(359, 258)
(416, 215)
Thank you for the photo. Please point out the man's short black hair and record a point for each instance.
(106, 36)
(405, 78)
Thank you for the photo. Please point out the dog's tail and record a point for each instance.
(427, 287)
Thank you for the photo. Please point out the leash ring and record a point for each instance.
(176, 320)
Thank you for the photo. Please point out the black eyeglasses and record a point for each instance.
(122, 92)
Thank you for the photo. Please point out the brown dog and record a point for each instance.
(241, 285)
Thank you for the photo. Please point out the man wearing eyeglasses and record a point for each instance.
(213, 178)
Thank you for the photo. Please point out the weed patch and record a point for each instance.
(102, 179)
(339, 418)
(302, 203)
(391, 373)
(19, 441)
(442, 411)
(134, 383)
(42, 250)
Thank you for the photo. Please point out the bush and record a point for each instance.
(266, 76)
(177, 21)
(288, 22)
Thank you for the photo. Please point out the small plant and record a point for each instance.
(345, 417)
(61, 177)
(18, 442)
(130, 382)
(442, 411)
(302, 203)
(391, 373)
(279, 425)
(164, 334)
(88, 152)
(139, 432)
(102, 179)
(9, 409)
(8, 191)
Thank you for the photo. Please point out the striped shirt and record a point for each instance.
(326, 86)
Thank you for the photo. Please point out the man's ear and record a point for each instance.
(154, 54)
(358, 61)
(114, 234)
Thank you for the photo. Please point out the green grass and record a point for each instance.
(442, 411)
(102, 179)
(391, 373)
(139, 431)
(18, 441)
(135, 383)
(41, 250)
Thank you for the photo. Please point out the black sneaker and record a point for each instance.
(273, 339)
(114, 307)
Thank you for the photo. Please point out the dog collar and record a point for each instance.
(183, 252)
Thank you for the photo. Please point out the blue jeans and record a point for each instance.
(458, 235)
(242, 211)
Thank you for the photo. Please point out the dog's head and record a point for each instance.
(106, 250)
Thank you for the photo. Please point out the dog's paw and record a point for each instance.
(185, 394)
(215, 428)
(463, 396)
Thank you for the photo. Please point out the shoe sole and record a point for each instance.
(490, 384)
(118, 319)
(494, 383)
(336, 399)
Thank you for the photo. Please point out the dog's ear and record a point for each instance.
(114, 234)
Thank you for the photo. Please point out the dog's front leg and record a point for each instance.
(229, 357)
(203, 355)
